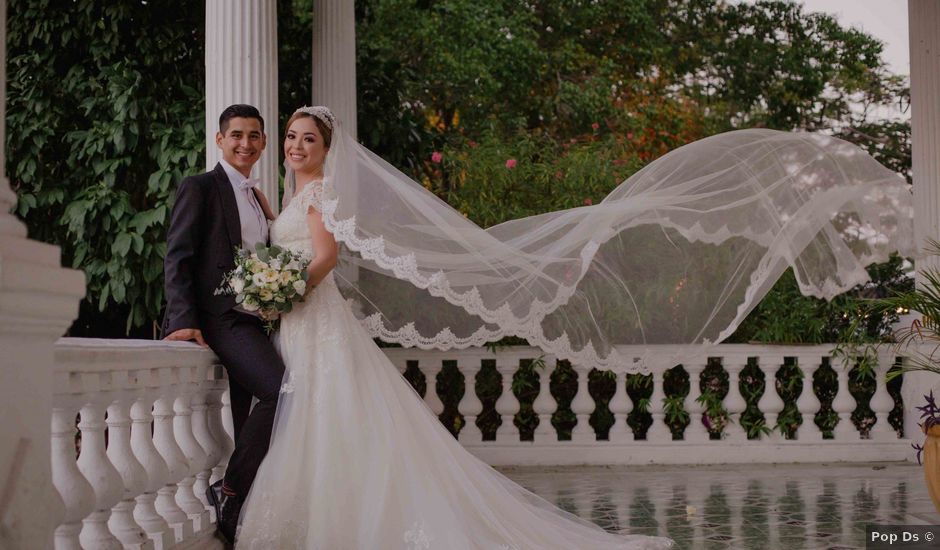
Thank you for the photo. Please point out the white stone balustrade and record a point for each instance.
(132, 486)
(807, 444)
(142, 489)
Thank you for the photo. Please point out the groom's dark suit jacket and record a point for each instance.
(204, 232)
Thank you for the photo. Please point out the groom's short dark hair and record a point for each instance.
(238, 110)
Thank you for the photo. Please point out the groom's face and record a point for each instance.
(241, 143)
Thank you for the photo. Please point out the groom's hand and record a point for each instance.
(186, 334)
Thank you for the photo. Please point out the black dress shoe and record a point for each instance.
(228, 518)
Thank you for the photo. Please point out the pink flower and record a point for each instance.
(511, 163)
(629, 135)
(588, 202)
(436, 157)
(596, 126)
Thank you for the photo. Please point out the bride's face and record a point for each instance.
(303, 147)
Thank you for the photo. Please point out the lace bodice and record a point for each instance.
(290, 229)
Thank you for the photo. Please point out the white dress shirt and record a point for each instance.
(254, 224)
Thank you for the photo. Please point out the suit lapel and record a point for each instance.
(229, 207)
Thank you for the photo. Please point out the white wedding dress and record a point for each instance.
(358, 462)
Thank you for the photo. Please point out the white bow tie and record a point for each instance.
(249, 183)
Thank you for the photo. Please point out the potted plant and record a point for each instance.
(921, 343)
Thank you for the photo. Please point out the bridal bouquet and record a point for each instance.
(267, 281)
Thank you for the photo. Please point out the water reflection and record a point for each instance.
(762, 508)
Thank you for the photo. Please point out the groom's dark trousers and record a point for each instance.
(204, 232)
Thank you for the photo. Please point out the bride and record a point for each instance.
(679, 253)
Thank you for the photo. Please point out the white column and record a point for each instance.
(924, 27)
(334, 59)
(924, 38)
(38, 301)
(241, 67)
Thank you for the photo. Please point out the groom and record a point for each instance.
(214, 214)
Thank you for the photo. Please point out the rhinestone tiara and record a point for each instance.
(321, 112)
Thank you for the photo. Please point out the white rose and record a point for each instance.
(270, 275)
(300, 286)
(275, 264)
(238, 285)
(258, 279)
(250, 305)
(293, 265)
(266, 295)
(285, 277)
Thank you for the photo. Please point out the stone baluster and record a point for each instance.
(430, 395)
(582, 406)
(507, 406)
(770, 403)
(165, 442)
(470, 405)
(76, 492)
(195, 455)
(620, 406)
(158, 475)
(104, 478)
(133, 475)
(544, 405)
(228, 424)
(808, 404)
(734, 402)
(658, 431)
(844, 404)
(217, 428)
(881, 402)
(696, 430)
(202, 430)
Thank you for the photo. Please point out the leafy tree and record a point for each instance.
(104, 118)
(580, 94)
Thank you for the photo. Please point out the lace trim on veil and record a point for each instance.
(322, 198)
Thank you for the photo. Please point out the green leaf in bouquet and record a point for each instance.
(275, 250)
(305, 275)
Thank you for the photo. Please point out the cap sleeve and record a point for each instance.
(311, 196)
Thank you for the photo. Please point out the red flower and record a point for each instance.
(511, 163)
(436, 157)
(595, 126)
(588, 202)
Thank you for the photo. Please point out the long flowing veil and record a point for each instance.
(677, 254)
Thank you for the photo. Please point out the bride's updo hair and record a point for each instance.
(321, 116)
